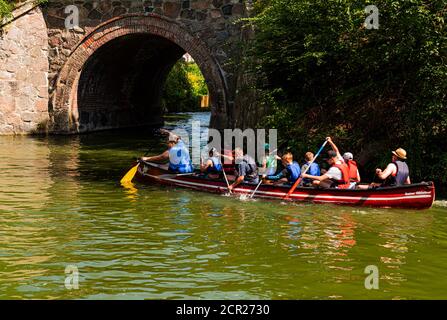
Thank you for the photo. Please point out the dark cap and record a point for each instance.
(331, 154)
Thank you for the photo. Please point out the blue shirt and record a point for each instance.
(179, 160)
(314, 170)
(292, 171)
(217, 166)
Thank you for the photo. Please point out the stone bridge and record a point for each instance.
(108, 72)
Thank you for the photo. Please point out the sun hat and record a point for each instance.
(348, 156)
(400, 153)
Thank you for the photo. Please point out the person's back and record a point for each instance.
(179, 160)
(400, 175)
(353, 170)
(314, 169)
(354, 175)
(293, 172)
(250, 168)
(216, 165)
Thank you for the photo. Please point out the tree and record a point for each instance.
(184, 87)
(374, 90)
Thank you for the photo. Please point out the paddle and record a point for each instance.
(128, 177)
(130, 174)
(256, 189)
(226, 180)
(298, 181)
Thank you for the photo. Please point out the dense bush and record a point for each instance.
(372, 90)
(184, 87)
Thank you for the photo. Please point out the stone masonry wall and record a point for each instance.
(35, 46)
(213, 21)
(24, 74)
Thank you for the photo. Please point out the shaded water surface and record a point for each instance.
(61, 204)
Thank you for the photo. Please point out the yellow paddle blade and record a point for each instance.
(130, 174)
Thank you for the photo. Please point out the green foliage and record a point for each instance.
(372, 90)
(196, 79)
(184, 87)
(5, 8)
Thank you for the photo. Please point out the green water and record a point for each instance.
(60, 204)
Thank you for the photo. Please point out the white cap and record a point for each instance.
(348, 156)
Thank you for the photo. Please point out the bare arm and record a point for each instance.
(390, 169)
(237, 182)
(231, 158)
(319, 178)
(334, 147)
(161, 157)
(205, 166)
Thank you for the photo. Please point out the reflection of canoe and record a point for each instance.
(414, 196)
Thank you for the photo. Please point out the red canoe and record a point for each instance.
(414, 196)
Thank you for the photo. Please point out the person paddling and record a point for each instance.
(291, 170)
(336, 177)
(246, 169)
(314, 169)
(213, 164)
(268, 163)
(177, 154)
(354, 176)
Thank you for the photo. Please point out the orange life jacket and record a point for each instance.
(352, 167)
(344, 183)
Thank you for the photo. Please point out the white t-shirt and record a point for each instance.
(334, 173)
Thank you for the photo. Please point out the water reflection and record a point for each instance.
(24, 173)
(131, 190)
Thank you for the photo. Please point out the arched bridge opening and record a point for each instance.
(114, 78)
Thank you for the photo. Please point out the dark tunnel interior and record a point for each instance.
(121, 84)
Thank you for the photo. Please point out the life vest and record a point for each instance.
(314, 170)
(344, 183)
(179, 160)
(293, 171)
(217, 166)
(401, 175)
(353, 169)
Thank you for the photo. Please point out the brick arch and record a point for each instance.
(64, 99)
